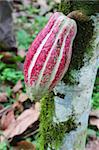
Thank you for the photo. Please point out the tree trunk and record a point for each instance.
(64, 114)
(76, 102)
(73, 93)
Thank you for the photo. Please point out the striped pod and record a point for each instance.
(49, 55)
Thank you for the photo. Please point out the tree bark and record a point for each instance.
(74, 99)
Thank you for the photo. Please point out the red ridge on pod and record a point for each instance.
(49, 56)
(34, 46)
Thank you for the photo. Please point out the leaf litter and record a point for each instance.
(22, 122)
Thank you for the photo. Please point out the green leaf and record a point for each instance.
(23, 38)
(3, 146)
(2, 66)
(11, 74)
(1, 56)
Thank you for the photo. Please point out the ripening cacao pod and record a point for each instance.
(49, 55)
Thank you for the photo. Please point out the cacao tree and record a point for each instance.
(65, 110)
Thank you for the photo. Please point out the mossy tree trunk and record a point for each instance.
(73, 93)
(64, 114)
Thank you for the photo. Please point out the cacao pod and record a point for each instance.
(49, 55)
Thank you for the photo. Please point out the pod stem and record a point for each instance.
(78, 15)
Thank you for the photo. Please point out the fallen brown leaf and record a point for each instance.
(22, 53)
(17, 87)
(94, 121)
(94, 113)
(27, 118)
(24, 145)
(26, 2)
(5, 110)
(93, 145)
(17, 106)
(13, 95)
(44, 7)
(1, 107)
(43, 3)
(7, 119)
(57, 1)
(22, 97)
(20, 66)
(3, 97)
(6, 55)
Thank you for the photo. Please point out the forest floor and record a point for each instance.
(17, 126)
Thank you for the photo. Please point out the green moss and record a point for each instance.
(51, 134)
(88, 7)
(47, 111)
(83, 40)
(65, 6)
(81, 46)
